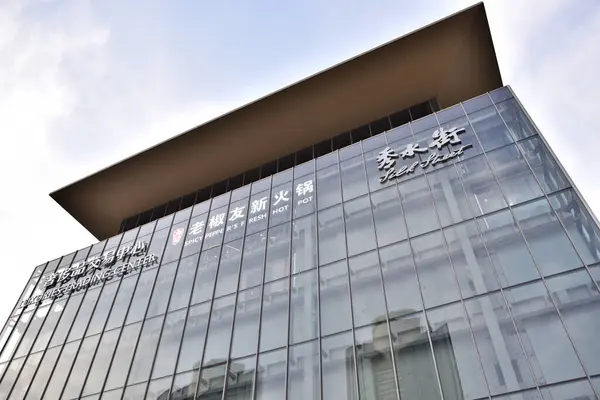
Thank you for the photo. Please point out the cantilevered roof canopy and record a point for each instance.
(451, 60)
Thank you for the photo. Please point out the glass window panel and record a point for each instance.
(400, 280)
(195, 234)
(389, 218)
(245, 328)
(360, 231)
(501, 94)
(490, 128)
(21, 385)
(477, 103)
(398, 131)
(270, 377)
(467, 138)
(121, 303)
(408, 165)
(180, 296)
(448, 114)
(112, 395)
(215, 227)
(240, 378)
(304, 244)
(368, 302)
(184, 386)
(327, 160)
(596, 383)
(415, 368)
(144, 230)
(504, 362)
(546, 237)
(123, 356)
(41, 377)
(219, 332)
(80, 368)
(168, 348)
(229, 268)
(550, 352)
(373, 173)
(159, 389)
(354, 178)
(525, 395)
(236, 220)
(10, 375)
(258, 215)
(204, 284)
(544, 166)
(329, 190)
(162, 290)
(433, 267)
(374, 363)
(304, 381)
(339, 379)
(458, 365)
(303, 307)
(66, 320)
(332, 246)
(192, 345)
(304, 196)
(274, 319)
(158, 242)
(61, 370)
(578, 301)
(418, 206)
(12, 340)
(350, 151)
(141, 296)
(515, 176)
(201, 208)
(278, 252)
(99, 368)
(146, 348)
(84, 314)
(481, 187)
(263, 184)
(470, 259)
(507, 249)
(253, 260)
(306, 167)
(336, 313)
(32, 330)
(450, 199)
(515, 118)
(211, 382)
(49, 324)
(579, 224)
(6, 333)
(281, 206)
(182, 215)
(135, 392)
(580, 390)
(103, 306)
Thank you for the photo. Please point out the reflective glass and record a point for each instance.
(360, 232)
(38, 384)
(159, 389)
(112, 395)
(229, 268)
(458, 365)
(102, 359)
(66, 319)
(192, 346)
(103, 306)
(303, 307)
(516, 120)
(274, 321)
(374, 363)
(278, 252)
(448, 195)
(211, 382)
(332, 243)
(545, 168)
(546, 238)
(389, 218)
(162, 290)
(253, 260)
(143, 290)
(373, 173)
(61, 370)
(27, 371)
(368, 301)
(80, 367)
(245, 328)
(215, 227)
(195, 234)
(49, 324)
(304, 196)
(281, 204)
(204, 284)
(258, 215)
(180, 295)
(270, 376)
(500, 94)
(157, 244)
(123, 356)
(338, 374)
(329, 189)
(336, 315)
(236, 220)
(550, 352)
(304, 382)
(184, 386)
(466, 138)
(34, 327)
(10, 375)
(121, 303)
(490, 128)
(304, 244)
(580, 390)
(84, 314)
(219, 331)
(168, 347)
(354, 178)
(135, 392)
(146, 348)
(175, 242)
(418, 206)
(400, 280)
(240, 378)
(480, 186)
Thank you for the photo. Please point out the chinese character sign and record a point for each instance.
(386, 160)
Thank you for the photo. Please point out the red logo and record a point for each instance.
(177, 235)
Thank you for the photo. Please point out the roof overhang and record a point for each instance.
(451, 60)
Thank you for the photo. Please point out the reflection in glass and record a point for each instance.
(10, 375)
(215, 227)
(236, 220)
(374, 363)
(329, 191)
(159, 389)
(61, 370)
(204, 284)
(450, 199)
(360, 232)
(400, 280)
(180, 295)
(270, 376)
(480, 186)
(229, 268)
(418, 206)
(162, 290)
(490, 128)
(66, 319)
(339, 379)
(184, 386)
(21, 385)
(389, 218)
(84, 314)
(332, 244)
(146, 348)
(304, 381)
(515, 119)
(304, 196)
(80, 367)
(281, 206)
(135, 392)
(336, 313)
(121, 303)
(175, 243)
(123, 355)
(99, 368)
(141, 296)
(168, 348)
(239, 379)
(368, 302)
(219, 331)
(253, 260)
(545, 169)
(580, 390)
(303, 307)
(41, 377)
(192, 345)
(112, 395)
(274, 319)
(304, 244)
(278, 252)
(245, 328)
(259, 212)
(32, 330)
(211, 382)
(354, 178)
(102, 308)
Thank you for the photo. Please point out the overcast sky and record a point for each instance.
(84, 84)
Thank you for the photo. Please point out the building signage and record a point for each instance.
(386, 160)
(81, 275)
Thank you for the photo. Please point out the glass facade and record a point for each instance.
(472, 276)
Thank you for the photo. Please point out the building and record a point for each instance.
(399, 229)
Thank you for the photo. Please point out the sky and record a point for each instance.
(85, 84)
